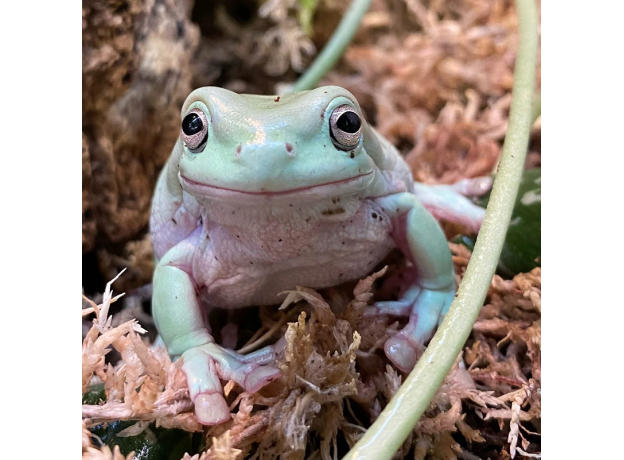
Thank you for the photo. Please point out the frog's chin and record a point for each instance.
(351, 185)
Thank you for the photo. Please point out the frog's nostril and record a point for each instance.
(264, 150)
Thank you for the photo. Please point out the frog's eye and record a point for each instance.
(345, 127)
(195, 130)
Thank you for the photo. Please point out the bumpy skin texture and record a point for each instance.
(271, 203)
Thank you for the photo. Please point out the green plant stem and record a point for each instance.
(400, 416)
(335, 46)
(536, 107)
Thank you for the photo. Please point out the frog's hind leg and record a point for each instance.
(450, 202)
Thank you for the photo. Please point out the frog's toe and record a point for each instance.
(246, 370)
(405, 348)
(211, 409)
(402, 353)
(390, 307)
(401, 307)
(264, 355)
(259, 377)
(204, 387)
(476, 186)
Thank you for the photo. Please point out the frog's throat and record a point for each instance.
(317, 191)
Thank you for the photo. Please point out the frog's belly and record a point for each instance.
(315, 272)
(235, 274)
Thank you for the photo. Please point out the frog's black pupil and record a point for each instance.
(348, 122)
(192, 124)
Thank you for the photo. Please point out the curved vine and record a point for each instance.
(400, 416)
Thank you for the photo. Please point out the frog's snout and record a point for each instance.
(273, 150)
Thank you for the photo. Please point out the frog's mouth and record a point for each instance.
(310, 192)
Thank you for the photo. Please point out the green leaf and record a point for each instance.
(151, 444)
(522, 249)
(95, 395)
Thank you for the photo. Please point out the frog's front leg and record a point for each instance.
(431, 285)
(180, 321)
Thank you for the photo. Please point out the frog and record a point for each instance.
(265, 193)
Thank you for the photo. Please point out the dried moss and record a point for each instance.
(335, 384)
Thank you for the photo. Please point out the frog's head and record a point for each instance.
(305, 146)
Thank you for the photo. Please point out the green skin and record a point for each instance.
(271, 200)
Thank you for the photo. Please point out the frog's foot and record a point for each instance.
(206, 365)
(449, 202)
(425, 308)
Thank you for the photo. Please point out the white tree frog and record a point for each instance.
(263, 193)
